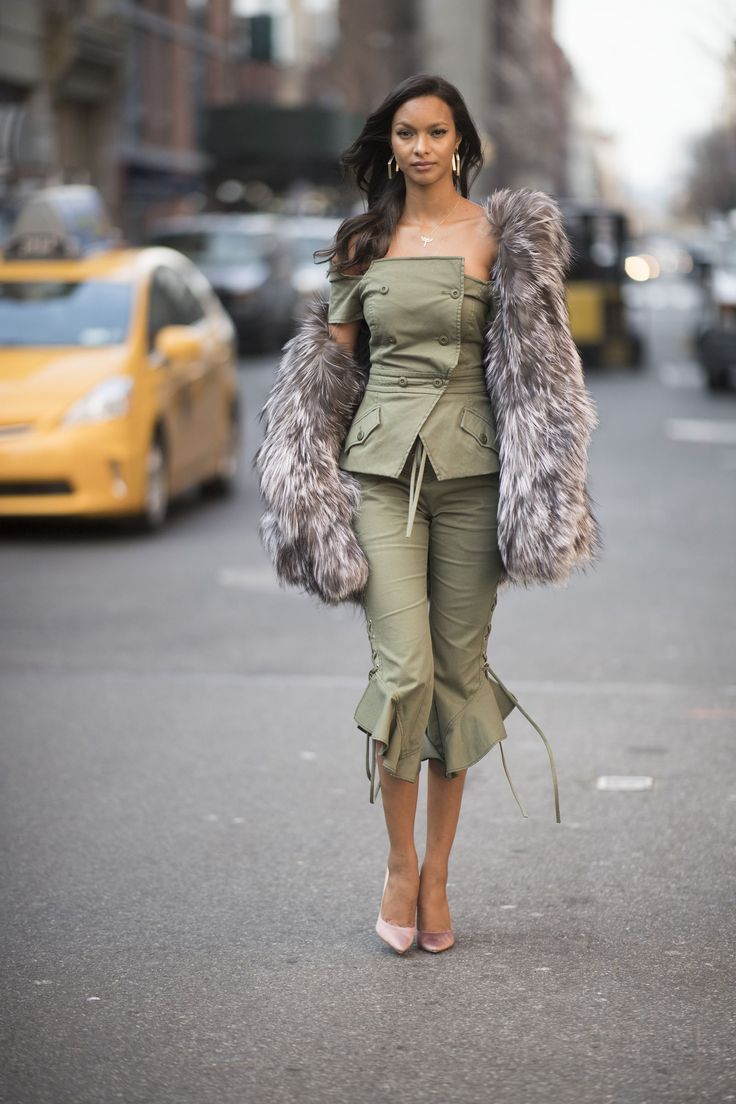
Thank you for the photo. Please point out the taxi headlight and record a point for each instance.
(110, 399)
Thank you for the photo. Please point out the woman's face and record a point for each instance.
(424, 138)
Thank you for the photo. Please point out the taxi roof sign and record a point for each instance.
(66, 221)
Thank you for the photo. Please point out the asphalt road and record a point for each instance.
(191, 869)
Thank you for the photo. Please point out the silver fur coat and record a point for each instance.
(544, 419)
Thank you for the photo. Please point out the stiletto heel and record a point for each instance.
(399, 938)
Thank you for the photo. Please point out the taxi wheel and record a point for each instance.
(156, 502)
(224, 482)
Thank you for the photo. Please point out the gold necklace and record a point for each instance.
(426, 239)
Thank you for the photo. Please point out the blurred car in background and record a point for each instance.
(118, 382)
(303, 235)
(699, 250)
(260, 265)
(243, 258)
(7, 219)
(601, 323)
(715, 336)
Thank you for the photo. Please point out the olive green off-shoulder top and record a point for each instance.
(426, 319)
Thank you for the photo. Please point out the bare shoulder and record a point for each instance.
(477, 226)
(483, 228)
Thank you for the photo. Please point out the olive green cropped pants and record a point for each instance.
(429, 605)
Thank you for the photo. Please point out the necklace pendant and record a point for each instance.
(425, 241)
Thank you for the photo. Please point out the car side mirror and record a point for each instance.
(178, 343)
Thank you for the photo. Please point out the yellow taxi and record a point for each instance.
(118, 373)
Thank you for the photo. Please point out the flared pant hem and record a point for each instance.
(378, 717)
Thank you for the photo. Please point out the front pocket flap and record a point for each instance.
(480, 428)
(365, 425)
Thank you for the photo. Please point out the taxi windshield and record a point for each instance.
(89, 314)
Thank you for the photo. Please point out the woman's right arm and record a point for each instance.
(345, 334)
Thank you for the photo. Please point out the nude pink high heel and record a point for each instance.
(435, 941)
(398, 938)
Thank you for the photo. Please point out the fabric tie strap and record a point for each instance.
(534, 724)
(421, 453)
(370, 768)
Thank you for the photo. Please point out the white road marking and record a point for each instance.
(704, 431)
(624, 782)
(248, 578)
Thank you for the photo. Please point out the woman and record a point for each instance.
(426, 445)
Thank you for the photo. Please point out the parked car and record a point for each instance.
(118, 370)
(242, 257)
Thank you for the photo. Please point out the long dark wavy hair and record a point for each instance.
(366, 160)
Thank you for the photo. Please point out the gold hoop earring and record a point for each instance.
(390, 172)
(456, 163)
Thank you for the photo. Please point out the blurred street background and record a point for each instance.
(191, 869)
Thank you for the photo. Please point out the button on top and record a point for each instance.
(443, 339)
(484, 438)
(384, 288)
(438, 382)
(360, 434)
(402, 381)
(454, 293)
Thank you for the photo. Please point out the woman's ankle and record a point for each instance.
(399, 903)
(403, 864)
(434, 871)
(433, 907)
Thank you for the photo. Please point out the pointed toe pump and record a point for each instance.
(435, 941)
(398, 937)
